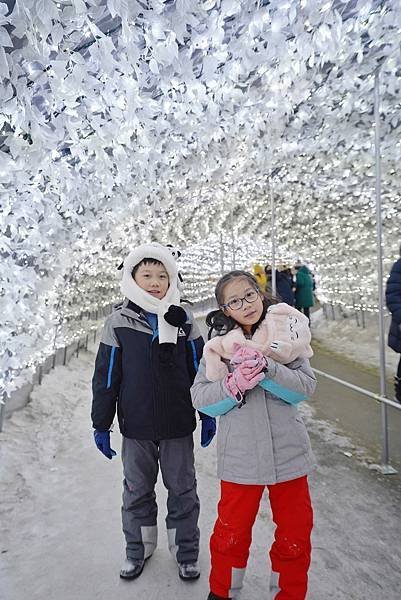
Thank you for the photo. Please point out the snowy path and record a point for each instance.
(60, 535)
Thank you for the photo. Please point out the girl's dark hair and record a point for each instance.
(217, 321)
(146, 261)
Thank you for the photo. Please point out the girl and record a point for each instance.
(261, 442)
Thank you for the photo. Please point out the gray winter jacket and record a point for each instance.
(265, 441)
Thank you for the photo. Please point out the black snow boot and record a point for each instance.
(212, 596)
(132, 569)
(397, 389)
(188, 571)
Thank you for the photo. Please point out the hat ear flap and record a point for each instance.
(174, 251)
(120, 270)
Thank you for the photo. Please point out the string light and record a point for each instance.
(106, 154)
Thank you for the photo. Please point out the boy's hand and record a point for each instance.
(175, 316)
(208, 430)
(102, 441)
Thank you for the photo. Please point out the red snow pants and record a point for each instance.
(232, 535)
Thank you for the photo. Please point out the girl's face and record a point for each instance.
(252, 302)
(153, 279)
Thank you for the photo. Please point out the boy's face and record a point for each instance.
(153, 279)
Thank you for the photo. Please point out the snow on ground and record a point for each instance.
(357, 343)
(60, 512)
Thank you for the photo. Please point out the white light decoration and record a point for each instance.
(128, 121)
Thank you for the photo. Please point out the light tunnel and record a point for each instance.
(118, 128)
(238, 131)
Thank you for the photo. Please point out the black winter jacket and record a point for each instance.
(148, 385)
(393, 301)
(284, 288)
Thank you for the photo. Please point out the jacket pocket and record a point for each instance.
(302, 434)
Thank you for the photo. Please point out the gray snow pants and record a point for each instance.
(141, 460)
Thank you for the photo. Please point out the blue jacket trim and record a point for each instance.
(220, 408)
(224, 406)
(281, 392)
(152, 320)
(194, 355)
(110, 371)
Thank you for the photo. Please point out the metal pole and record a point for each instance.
(357, 388)
(232, 239)
(384, 469)
(2, 410)
(385, 446)
(221, 254)
(273, 239)
(355, 310)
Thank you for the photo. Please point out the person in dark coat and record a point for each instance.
(304, 290)
(288, 273)
(283, 285)
(393, 301)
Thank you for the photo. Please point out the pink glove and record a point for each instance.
(242, 379)
(245, 354)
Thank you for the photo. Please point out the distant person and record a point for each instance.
(304, 290)
(283, 285)
(260, 276)
(145, 365)
(393, 301)
(289, 274)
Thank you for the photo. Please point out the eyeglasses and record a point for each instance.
(237, 303)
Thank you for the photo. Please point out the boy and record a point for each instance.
(145, 366)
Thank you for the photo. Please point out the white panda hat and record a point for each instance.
(130, 289)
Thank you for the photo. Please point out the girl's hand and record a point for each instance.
(244, 353)
(250, 368)
(242, 380)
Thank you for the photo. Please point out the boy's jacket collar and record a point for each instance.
(129, 309)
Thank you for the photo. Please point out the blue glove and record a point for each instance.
(208, 430)
(102, 441)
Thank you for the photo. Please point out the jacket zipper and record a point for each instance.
(153, 390)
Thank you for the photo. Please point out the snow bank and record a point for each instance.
(357, 343)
